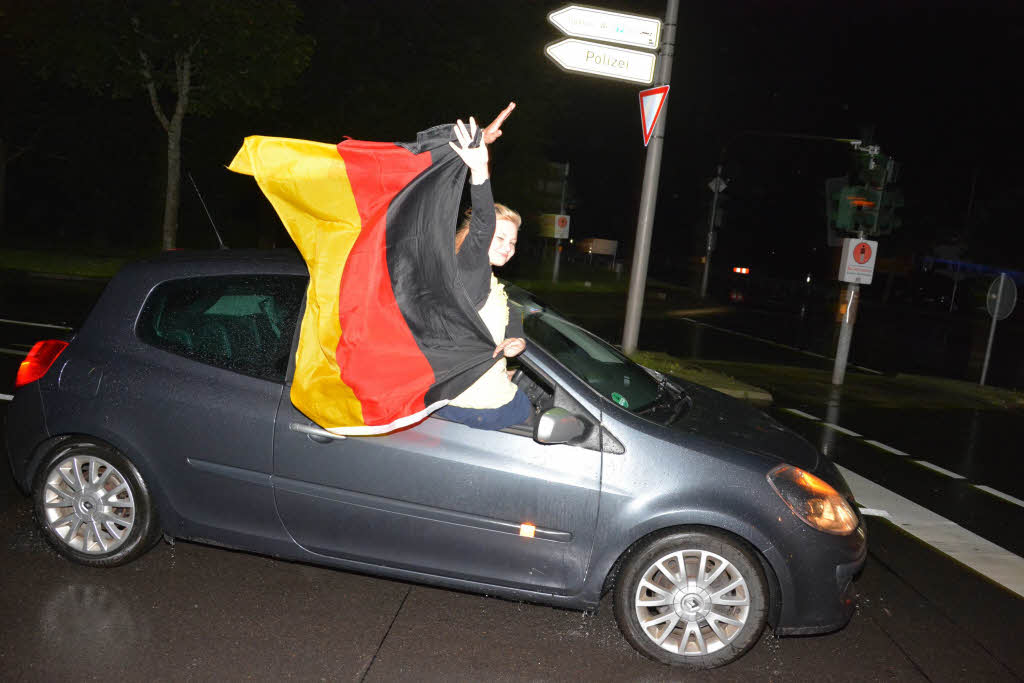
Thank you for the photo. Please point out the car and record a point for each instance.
(167, 414)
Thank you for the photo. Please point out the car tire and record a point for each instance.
(705, 616)
(93, 505)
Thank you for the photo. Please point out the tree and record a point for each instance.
(185, 57)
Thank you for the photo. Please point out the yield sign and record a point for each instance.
(651, 102)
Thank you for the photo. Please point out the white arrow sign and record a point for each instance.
(602, 60)
(613, 27)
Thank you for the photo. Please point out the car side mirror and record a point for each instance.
(558, 425)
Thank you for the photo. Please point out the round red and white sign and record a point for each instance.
(563, 221)
(862, 253)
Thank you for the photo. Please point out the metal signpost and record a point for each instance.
(649, 195)
(555, 226)
(856, 266)
(636, 66)
(717, 184)
(1000, 301)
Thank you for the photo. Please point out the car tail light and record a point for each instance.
(38, 361)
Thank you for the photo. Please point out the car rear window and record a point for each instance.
(242, 323)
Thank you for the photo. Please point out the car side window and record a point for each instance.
(243, 323)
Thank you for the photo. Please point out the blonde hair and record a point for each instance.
(501, 212)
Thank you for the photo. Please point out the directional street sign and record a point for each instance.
(612, 27)
(651, 102)
(602, 60)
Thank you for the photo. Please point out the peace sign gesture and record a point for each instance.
(474, 157)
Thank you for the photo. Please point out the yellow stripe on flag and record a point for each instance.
(307, 184)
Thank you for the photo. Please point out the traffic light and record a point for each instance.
(889, 218)
(855, 207)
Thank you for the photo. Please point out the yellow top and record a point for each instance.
(493, 389)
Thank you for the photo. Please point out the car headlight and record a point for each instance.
(813, 500)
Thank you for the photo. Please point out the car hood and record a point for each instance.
(716, 416)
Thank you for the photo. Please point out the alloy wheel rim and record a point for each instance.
(692, 602)
(88, 504)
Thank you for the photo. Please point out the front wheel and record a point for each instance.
(94, 506)
(693, 599)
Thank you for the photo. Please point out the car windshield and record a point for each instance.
(589, 357)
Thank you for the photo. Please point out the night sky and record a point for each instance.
(935, 84)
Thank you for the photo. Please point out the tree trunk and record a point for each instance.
(170, 226)
(183, 66)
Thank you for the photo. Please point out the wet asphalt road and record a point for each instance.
(192, 612)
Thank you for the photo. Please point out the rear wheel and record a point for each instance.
(93, 505)
(694, 599)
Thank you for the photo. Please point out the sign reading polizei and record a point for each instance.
(611, 27)
(608, 61)
(857, 263)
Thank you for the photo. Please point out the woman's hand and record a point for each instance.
(510, 347)
(475, 157)
(493, 130)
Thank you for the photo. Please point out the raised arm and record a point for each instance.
(472, 256)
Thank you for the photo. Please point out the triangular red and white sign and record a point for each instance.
(651, 102)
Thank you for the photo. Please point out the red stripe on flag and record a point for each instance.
(377, 355)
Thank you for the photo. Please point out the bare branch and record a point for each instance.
(148, 80)
(147, 77)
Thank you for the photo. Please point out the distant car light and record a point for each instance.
(813, 500)
(742, 270)
(38, 361)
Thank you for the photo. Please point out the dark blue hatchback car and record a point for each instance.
(168, 413)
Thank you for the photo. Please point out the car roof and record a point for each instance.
(285, 261)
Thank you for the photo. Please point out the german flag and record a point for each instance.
(389, 333)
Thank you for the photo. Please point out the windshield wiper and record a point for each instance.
(668, 396)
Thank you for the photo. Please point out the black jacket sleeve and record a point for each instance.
(474, 265)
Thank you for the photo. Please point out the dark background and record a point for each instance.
(934, 83)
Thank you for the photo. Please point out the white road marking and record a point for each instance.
(6, 397)
(779, 344)
(843, 430)
(881, 445)
(940, 470)
(801, 413)
(1000, 494)
(873, 512)
(32, 324)
(984, 557)
(13, 352)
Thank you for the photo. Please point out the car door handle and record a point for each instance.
(315, 433)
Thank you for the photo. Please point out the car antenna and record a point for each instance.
(201, 201)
